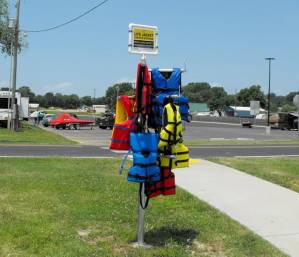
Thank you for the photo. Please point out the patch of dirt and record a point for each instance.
(206, 250)
(84, 233)
(94, 241)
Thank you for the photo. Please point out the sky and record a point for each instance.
(221, 42)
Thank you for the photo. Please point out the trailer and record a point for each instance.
(22, 107)
(283, 120)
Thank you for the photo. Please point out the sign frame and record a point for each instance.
(255, 107)
(147, 41)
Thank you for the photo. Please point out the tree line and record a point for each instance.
(217, 98)
(197, 92)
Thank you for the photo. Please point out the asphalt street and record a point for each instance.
(97, 151)
(194, 131)
(94, 143)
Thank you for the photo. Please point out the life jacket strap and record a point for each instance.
(120, 141)
(181, 153)
(136, 176)
(174, 123)
(120, 127)
(181, 161)
(163, 189)
(145, 165)
(123, 162)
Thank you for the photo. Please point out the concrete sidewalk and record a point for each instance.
(269, 210)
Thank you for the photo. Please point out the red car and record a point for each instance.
(67, 120)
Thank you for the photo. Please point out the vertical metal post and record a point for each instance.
(140, 225)
(141, 200)
(269, 88)
(140, 228)
(268, 128)
(15, 62)
(9, 109)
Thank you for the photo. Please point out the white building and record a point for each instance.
(99, 108)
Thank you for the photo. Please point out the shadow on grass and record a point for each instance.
(164, 235)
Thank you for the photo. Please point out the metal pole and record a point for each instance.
(268, 128)
(9, 106)
(15, 62)
(140, 229)
(269, 89)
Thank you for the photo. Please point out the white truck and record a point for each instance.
(5, 107)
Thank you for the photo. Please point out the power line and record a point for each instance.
(69, 21)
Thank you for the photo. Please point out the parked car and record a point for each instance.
(46, 120)
(67, 120)
(107, 121)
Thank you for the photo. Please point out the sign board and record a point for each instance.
(296, 100)
(254, 108)
(143, 39)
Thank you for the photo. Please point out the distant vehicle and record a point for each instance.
(70, 121)
(46, 120)
(296, 124)
(283, 120)
(107, 121)
(22, 104)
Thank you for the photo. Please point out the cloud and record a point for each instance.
(4, 83)
(123, 80)
(59, 87)
(216, 84)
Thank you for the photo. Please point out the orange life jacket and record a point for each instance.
(123, 124)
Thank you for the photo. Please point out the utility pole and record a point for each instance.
(14, 64)
(269, 59)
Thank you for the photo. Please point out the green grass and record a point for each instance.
(74, 207)
(240, 142)
(281, 171)
(30, 134)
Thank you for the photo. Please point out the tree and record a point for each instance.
(100, 100)
(218, 99)
(86, 100)
(72, 101)
(290, 97)
(49, 99)
(198, 92)
(253, 93)
(26, 92)
(288, 108)
(6, 33)
(111, 93)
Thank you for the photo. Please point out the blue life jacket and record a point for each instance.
(145, 157)
(158, 105)
(160, 83)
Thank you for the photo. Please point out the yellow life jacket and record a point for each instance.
(181, 153)
(171, 131)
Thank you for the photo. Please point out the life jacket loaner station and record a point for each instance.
(149, 125)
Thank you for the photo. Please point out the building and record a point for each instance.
(99, 108)
(199, 109)
(241, 111)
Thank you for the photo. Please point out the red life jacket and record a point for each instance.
(166, 186)
(143, 90)
(123, 124)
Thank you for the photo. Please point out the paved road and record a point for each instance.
(195, 152)
(194, 131)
